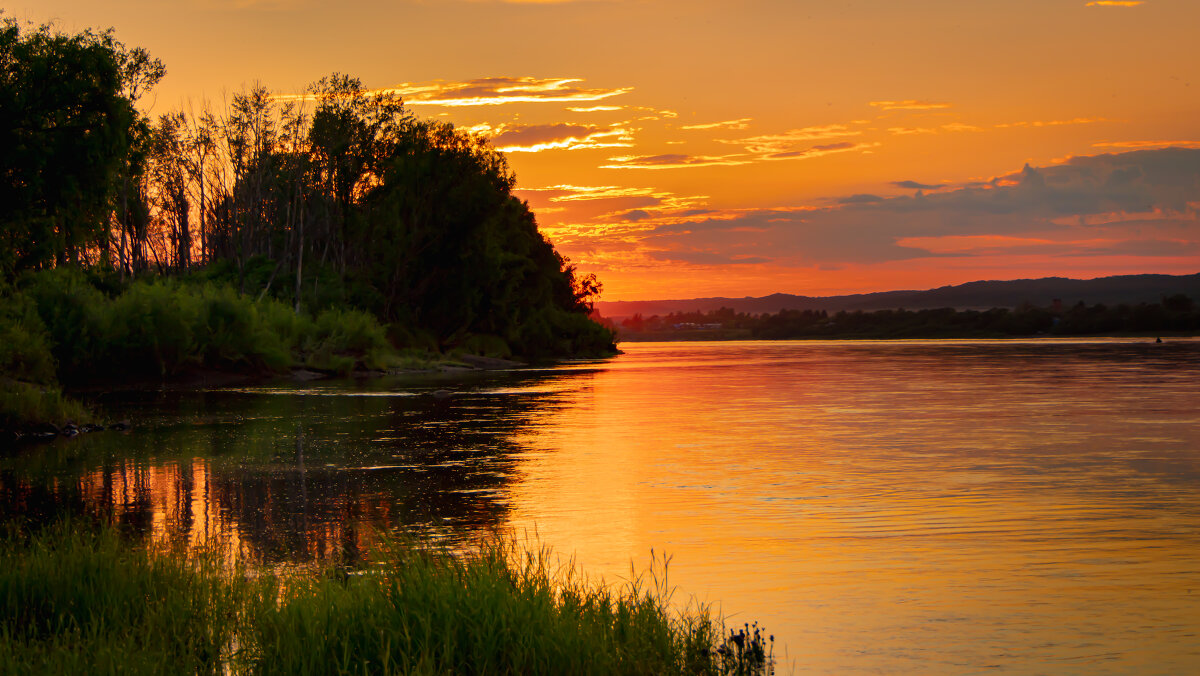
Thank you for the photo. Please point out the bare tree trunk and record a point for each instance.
(299, 257)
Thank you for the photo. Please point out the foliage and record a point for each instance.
(24, 352)
(72, 602)
(158, 328)
(25, 406)
(67, 128)
(356, 204)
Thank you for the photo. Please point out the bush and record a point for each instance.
(74, 314)
(153, 328)
(233, 330)
(24, 406)
(24, 345)
(343, 339)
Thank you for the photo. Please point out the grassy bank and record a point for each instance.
(60, 327)
(75, 602)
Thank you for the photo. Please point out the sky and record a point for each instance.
(697, 148)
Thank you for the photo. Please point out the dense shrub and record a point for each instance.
(24, 344)
(159, 328)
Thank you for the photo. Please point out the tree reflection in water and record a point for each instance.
(288, 475)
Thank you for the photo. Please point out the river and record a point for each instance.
(880, 507)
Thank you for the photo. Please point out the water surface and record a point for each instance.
(882, 507)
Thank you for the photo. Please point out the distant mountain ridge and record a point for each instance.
(1131, 289)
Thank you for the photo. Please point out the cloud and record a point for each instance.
(1051, 123)
(1115, 3)
(532, 138)
(950, 126)
(818, 151)
(493, 91)
(596, 109)
(1128, 145)
(674, 161)
(913, 185)
(859, 199)
(707, 258)
(776, 143)
(727, 124)
(1142, 203)
(760, 149)
(909, 105)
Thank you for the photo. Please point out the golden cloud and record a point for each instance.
(532, 138)
(1115, 3)
(909, 105)
(674, 161)
(774, 143)
(1133, 145)
(819, 151)
(1052, 123)
(727, 124)
(952, 127)
(491, 91)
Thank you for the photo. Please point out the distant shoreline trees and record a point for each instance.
(1176, 314)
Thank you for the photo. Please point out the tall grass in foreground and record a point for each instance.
(75, 603)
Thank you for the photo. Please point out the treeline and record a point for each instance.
(338, 197)
(330, 229)
(1174, 315)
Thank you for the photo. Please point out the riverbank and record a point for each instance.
(74, 599)
(63, 334)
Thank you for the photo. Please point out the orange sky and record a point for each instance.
(700, 148)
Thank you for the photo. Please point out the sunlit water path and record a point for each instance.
(881, 507)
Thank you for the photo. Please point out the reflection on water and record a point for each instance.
(881, 506)
(305, 476)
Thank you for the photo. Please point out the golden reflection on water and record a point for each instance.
(919, 507)
(896, 507)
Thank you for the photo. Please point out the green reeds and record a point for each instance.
(94, 602)
(74, 602)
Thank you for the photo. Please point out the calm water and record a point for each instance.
(882, 507)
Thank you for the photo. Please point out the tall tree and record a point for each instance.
(67, 125)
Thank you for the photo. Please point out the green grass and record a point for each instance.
(25, 406)
(72, 602)
(75, 603)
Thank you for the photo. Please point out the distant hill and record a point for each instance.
(1130, 289)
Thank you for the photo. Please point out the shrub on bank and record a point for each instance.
(158, 328)
(24, 349)
(25, 406)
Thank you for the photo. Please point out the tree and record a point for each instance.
(67, 124)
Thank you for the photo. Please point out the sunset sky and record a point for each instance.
(701, 148)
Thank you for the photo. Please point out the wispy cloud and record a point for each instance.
(909, 104)
(1139, 203)
(777, 143)
(596, 109)
(675, 161)
(1132, 145)
(818, 151)
(493, 91)
(951, 127)
(1051, 123)
(532, 138)
(727, 124)
(914, 185)
(1116, 3)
